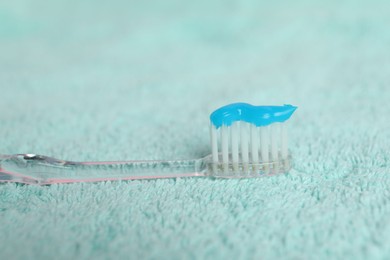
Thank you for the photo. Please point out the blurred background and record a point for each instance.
(87, 75)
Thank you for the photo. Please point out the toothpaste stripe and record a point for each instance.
(257, 115)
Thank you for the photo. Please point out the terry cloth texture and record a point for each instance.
(115, 80)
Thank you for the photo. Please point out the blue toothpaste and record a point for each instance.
(257, 115)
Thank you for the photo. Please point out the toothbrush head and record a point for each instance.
(249, 141)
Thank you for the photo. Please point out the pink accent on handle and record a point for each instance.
(54, 180)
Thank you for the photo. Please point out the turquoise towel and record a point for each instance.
(81, 80)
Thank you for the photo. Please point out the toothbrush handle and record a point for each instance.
(42, 170)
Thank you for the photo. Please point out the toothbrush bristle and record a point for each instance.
(246, 150)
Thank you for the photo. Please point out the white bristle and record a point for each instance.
(254, 141)
(284, 141)
(242, 148)
(274, 141)
(225, 144)
(244, 143)
(264, 136)
(235, 136)
(214, 143)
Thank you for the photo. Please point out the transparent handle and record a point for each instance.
(38, 169)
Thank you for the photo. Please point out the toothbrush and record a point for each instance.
(246, 141)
